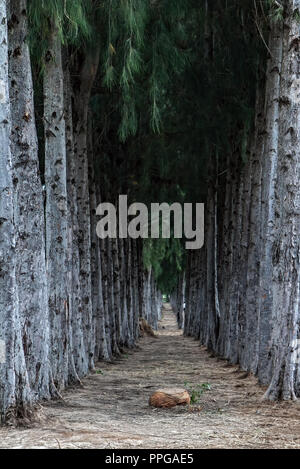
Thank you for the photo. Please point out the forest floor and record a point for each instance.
(111, 409)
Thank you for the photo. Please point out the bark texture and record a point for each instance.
(56, 209)
(16, 398)
(28, 206)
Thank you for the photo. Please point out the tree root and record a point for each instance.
(24, 416)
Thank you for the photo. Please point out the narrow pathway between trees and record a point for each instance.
(111, 410)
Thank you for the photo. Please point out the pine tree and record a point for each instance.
(28, 205)
(16, 399)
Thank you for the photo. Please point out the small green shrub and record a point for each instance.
(196, 391)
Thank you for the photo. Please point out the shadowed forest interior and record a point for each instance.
(170, 101)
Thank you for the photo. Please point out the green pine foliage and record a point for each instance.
(165, 257)
(141, 56)
(69, 17)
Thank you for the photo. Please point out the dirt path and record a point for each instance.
(111, 410)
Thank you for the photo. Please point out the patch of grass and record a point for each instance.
(196, 391)
(99, 372)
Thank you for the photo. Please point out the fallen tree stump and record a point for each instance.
(167, 398)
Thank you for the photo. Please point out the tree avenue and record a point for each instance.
(174, 103)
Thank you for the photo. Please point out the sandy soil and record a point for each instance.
(111, 409)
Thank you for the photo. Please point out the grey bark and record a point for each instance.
(28, 207)
(129, 289)
(100, 345)
(242, 319)
(225, 254)
(123, 294)
(286, 246)
(15, 394)
(231, 352)
(77, 360)
(82, 92)
(117, 292)
(252, 296)
(56, 209)
(269, 170)
(105, 292)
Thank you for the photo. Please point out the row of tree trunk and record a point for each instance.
(67, 298)
(242, 290)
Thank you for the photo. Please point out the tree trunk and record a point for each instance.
(243, 322)
(82, 92)
(56, 209)
(225, 256)
(231, 345)
(123, 294)
(105, 292)
(15, 394)
(269, 170)
(129, 290)
(78, 363)
(252, 296)
(28, 207)
(100, 345)
(286, 247)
